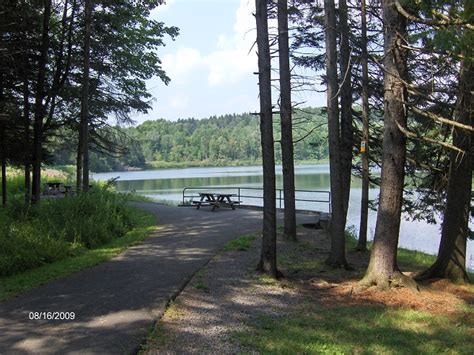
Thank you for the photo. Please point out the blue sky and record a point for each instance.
(210, 63)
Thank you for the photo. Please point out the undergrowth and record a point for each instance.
(54, 229)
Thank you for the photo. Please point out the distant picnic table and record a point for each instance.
(58, 189)
(54, 188)
(216, 200)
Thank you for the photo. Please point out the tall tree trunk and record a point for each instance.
(4, 180)
(347, 135)
(79, 155)
(26, 140)
(383, 270)
(267, 262)
(364, 149)
(85, 97)
(3, 159)
(39, 106)
(451, 260)
(3, 154)
(337, 255)
(286, 122)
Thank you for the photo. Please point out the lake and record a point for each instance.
(168, 184)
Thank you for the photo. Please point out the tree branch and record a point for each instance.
(446, 22)
(413, 135)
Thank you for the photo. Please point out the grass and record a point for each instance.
(364, 329)
(12, 285)
(139, 198)
(198, 280)
(243, 243)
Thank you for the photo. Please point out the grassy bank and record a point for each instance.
(201, 164)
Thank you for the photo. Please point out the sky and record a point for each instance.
(211, 63)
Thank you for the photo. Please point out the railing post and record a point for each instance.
(238, 194)
(280, 197)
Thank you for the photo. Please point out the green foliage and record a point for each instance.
(58, 228)
(242, 243)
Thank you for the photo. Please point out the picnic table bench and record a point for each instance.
(216, 200)
(59, 188)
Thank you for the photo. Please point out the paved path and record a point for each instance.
(116, 302)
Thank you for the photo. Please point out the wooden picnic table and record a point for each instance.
(216, 200)
(53, 188)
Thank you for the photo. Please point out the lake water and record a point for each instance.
(168, 184)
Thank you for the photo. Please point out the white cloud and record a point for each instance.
(179, 101)
(178, 65)
(228, 63)
(232, 60)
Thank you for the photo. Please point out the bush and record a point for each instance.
(57, 228)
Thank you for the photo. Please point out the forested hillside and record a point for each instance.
(218, 140)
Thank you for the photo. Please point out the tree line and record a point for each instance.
(226, 139)
(398, 78)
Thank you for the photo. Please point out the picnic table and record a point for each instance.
(53, 188)
(216, 200)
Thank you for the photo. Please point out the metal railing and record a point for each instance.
(245, 196)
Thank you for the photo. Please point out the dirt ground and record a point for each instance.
(227, 294)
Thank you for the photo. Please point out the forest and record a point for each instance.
(192, 142)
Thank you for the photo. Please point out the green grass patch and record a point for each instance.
(295, 258)
(134, 197)
(198, 280)
(243, 243)
(12, 285)
(363, 329)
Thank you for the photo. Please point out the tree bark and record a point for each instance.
(4, 180)
(383, 270)
(26, 140)
(451, 260)
(364, 149)
(3, 160)
(347, 134)
(3, 154)
(337, 257)
(85, 98)
(39, 106)
(267, 262)
(286, 123)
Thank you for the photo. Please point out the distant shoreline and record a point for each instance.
(208, 164)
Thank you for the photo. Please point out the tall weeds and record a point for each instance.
(58, 228)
